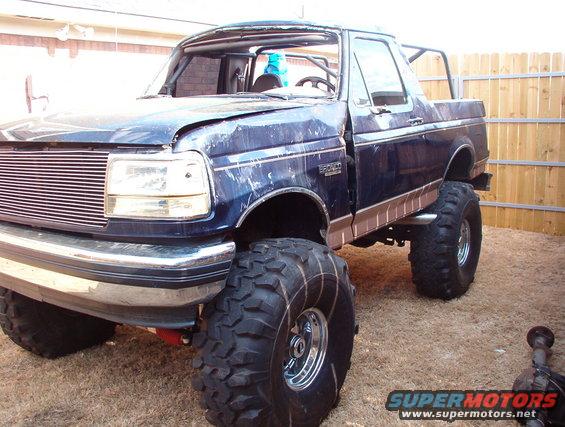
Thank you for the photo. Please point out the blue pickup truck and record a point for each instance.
(208, 210)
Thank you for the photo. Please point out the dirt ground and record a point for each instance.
(405, 342)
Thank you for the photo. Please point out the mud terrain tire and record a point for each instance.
(442, 266)
(245, 368)
(47, 330)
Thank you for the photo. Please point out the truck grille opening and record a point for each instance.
(55, 186)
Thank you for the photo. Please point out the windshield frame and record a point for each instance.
(207, 43)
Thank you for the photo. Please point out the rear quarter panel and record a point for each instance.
(461, 125)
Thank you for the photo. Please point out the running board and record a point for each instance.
(421, 219)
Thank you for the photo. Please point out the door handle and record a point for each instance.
(415, 121)
(379, 110)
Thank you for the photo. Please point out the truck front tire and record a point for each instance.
(275, 344)
(444, 254)
(47, 330)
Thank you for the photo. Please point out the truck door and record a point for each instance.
(388, 140)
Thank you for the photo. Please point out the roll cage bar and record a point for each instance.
(318, 60)
(420, 50)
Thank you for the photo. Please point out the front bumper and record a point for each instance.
(134, 283)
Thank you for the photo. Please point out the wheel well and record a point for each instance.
(285, 215)
(460, 165)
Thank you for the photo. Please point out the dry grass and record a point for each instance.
(405, 342)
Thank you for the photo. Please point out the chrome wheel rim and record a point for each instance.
(464, 244)
(307, 345)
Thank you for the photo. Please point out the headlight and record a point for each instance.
(159, 186)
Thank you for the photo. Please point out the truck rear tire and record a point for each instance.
(444, 254)
(47, 330)
(275, 344)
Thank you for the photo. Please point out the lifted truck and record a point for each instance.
(209, 209)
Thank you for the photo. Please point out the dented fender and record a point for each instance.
(260, 156)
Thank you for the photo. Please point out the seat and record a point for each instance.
(266, 82)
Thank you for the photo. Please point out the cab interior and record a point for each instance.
(284, 63)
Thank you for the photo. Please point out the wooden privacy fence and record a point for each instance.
(524, 100)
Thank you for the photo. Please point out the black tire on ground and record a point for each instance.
(47, 330)
(244, 341)
(436, 270)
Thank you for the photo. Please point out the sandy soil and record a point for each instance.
(405, 342)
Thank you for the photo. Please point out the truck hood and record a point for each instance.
(153, 121)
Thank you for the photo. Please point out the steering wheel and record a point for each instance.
(315, 82)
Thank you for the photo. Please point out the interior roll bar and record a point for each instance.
(420, 50)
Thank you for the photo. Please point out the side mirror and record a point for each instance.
(35, 100)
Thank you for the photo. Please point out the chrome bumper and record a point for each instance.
(142, 284)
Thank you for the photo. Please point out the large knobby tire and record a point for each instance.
(443, 266)
(47, 330)
(249, 344)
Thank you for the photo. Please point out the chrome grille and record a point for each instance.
(55, 186)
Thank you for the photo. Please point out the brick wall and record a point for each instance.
(74, 46)
(199, 78)
(74, 73)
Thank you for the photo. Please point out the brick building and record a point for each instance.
(64, 53)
